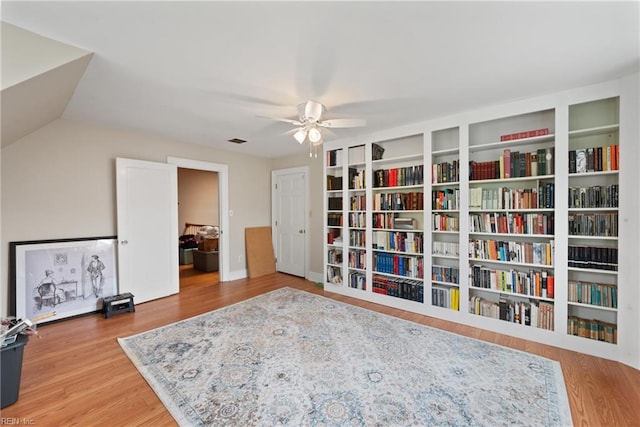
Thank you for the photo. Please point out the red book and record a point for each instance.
(550, 286)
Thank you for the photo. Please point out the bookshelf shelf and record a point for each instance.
(446, 152)
(593, 209)
(593, 271)
(592, 307)
(450, 284)
(598, 130)
(517, 235)
(591, 174)
(445, 256)
(513, 143)
(521, 264)
(525, 210)
(610, 238)
(397, 276)
(510, 294)
(391, 251)
(508, 180)
(398, 159)
(446, 184)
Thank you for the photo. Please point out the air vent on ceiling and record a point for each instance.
(237, 140)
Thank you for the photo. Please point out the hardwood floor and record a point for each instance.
(77, 374)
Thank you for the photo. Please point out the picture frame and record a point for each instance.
(68, 276)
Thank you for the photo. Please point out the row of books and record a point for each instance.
(398, 265)
(334, 219)
(514, 164)
(400, 241)
(540, 253)
(358, 219)
(357, 280)
(593, 224)
(512, 198)
(334, 256)
(399, 177)
(525, 134)
(358, 202)
(535, 313)
(599, 258)
(357, 238)
(334, 203)
(598, 294)
(357, 259)
(391, 220)
(447, 199)
(595, 159)
(445, 248)
(383, 220)
(445, 172)
(592, 329)
(512, 223)
(445, 222)
(356, 179)
(596, 196)
(400, 288)
(334, 183)
(445, 273)
(398, 201)
(537, 283)
(334, 275)
(445, 297)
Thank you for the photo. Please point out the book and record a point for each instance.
(581, 161)
(550, 160)
(572, 161)
(507, 163)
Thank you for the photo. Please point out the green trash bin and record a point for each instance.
(11, 370)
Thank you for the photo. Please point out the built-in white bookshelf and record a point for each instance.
(504, 213)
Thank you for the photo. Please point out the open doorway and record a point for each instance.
(198, 205)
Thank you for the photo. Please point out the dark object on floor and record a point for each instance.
(11, 368)
(121, 303)
(205, 260)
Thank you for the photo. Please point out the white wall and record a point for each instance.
(59, 182)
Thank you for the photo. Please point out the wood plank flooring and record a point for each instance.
(77, 374)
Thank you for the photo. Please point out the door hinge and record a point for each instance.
(276, 223)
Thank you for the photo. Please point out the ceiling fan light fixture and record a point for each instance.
(315, 135)
(300, 135)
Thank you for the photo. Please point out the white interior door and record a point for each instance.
(147, 198)
(290, 221)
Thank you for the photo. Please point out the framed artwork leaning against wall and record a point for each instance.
(68, 276)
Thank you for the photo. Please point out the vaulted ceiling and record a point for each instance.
(204, 72)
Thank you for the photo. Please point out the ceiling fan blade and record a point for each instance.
(280, 119)
(343, 123)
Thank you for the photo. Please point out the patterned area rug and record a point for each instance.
(293, 358)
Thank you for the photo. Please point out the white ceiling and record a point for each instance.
(203, 71)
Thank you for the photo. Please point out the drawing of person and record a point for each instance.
(95, 270)
(47, 290)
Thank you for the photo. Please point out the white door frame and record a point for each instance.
(223, 200)
(274, 210)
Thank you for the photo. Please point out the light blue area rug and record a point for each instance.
(293, 358)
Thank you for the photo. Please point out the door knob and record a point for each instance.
(124, 242)
(301, 231)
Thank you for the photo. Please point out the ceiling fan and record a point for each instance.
(310, 124)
